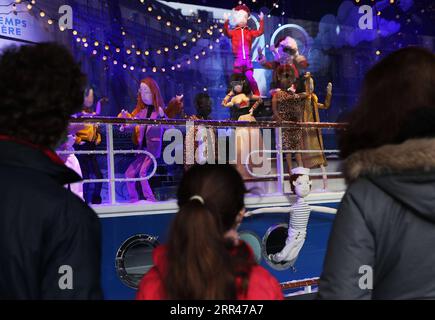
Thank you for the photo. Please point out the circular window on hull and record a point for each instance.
(134, 259)
(274, 242)
(253, 241)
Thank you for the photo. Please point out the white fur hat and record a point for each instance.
(301, 170)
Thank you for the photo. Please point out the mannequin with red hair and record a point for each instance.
(147, 137)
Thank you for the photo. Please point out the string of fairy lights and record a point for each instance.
(112, 54)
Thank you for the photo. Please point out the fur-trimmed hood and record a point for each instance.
(406, 172)
(412, 155)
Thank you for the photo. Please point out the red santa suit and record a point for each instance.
(241, 40)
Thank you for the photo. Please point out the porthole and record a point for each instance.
(253, 241)
(273, 242)
(134, 259)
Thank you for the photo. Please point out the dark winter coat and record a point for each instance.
(49, 238)
(385, 224)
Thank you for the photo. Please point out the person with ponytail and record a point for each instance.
(203, 257)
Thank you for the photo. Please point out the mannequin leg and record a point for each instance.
(299, 162)
(146, 188)
(98, 186)
(254, 86)
(131, 173)
(288, 158)
(325, 177)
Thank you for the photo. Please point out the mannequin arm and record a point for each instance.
(227, 102)
(324, 209)
(260, 31)
(227, 31)
(269, 210)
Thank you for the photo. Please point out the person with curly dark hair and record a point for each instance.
(52, 235)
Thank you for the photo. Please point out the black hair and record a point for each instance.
(41, 87)
(240, 77)
(203, 105)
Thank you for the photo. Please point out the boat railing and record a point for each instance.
(110, 152)
(306, 285)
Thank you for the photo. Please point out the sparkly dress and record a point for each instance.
(290, 108)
